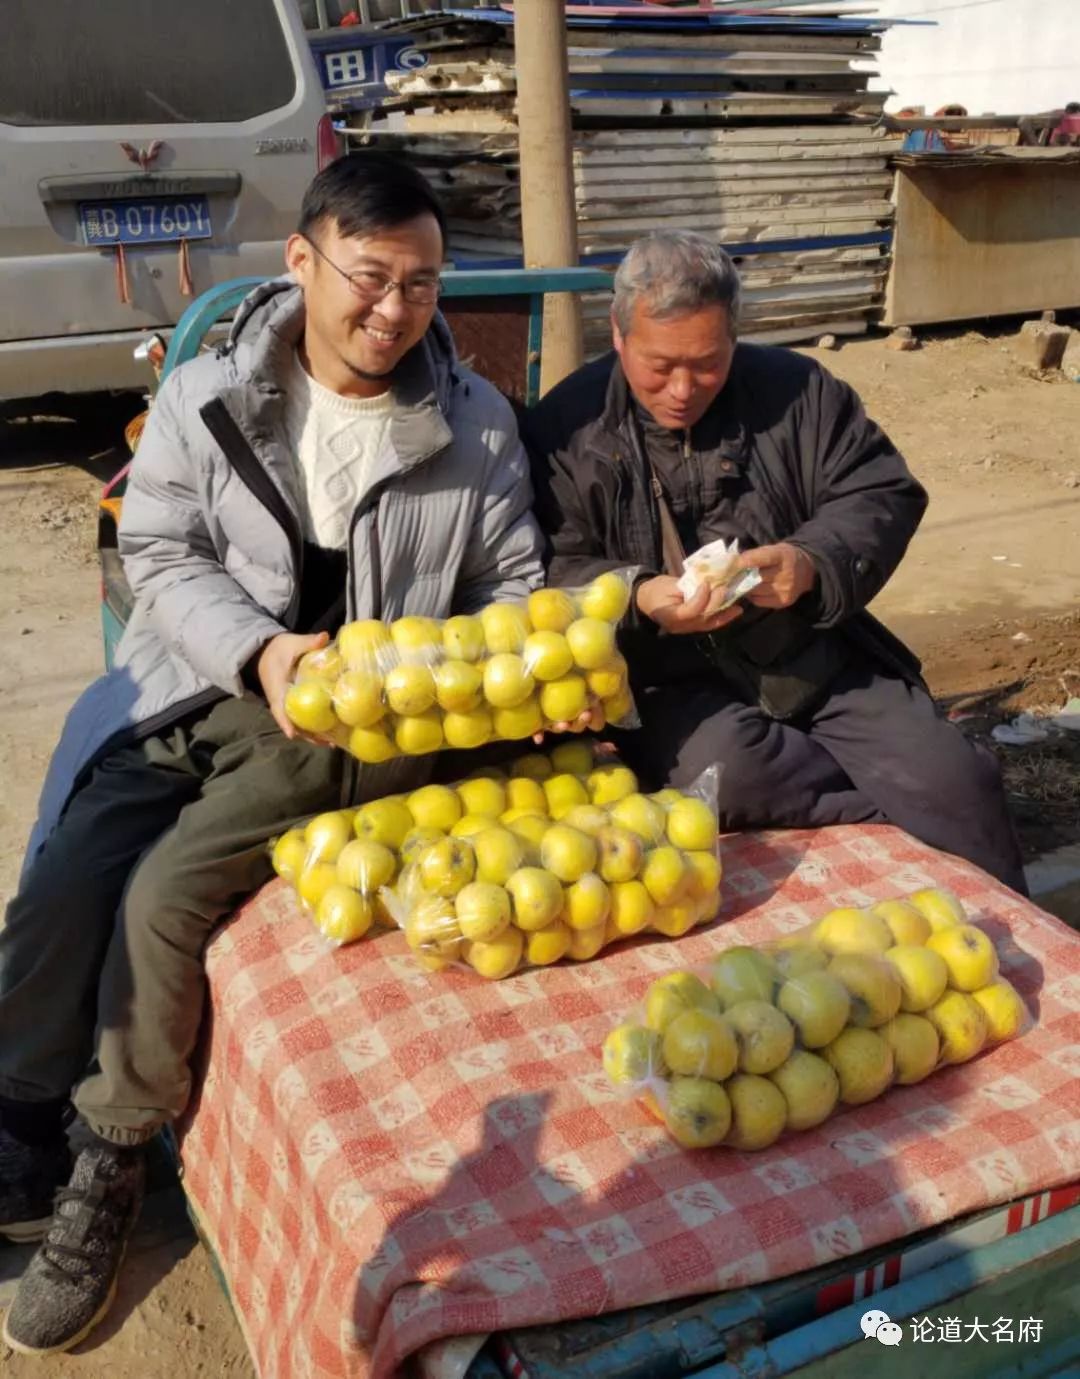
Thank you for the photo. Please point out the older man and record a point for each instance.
(814, 712)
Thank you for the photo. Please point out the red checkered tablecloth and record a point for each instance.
(382, 1157)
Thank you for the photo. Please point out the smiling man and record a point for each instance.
(334, 461)
(812, 711)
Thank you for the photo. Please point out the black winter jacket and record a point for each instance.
(785, 453)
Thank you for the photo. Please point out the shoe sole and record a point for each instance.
(72, 1341)
(25, 1232)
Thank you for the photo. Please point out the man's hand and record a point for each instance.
(787, 572)
(274, 667)
(661, 600)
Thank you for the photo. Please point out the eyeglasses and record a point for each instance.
(372, 286)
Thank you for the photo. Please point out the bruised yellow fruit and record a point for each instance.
(326, 664)
(365, 645)
(793, 957)
(610, 681)
(419, 735)
(463, 638)
(290, 854)
(765, 1035)
(467, 731)
(631, 1054)
(591, 642)
(853, 931)
(505, 627)
(1005, 1012)
(417, 638)
(530, 829)
(499, 853)
(432, 924)
(498, 959)
(547, 655)
(482, 795)
(674, 993)
(458, 686)
(873, 985)
(962, 1026)
(537, 898)
(922, 973)
(409, 689)
(810, 1088)
(632, 908)
(365, 866)
(586, 943)
(817, 1004)
(447, 866)
(863, 1062)
(641, 816)
(697, 1112)
(742, 974)
(434, 806)
(588, 902)
(915, 1045)
(310, 705)
(704, 873)
(610, 783)
(939, 907)
(665, 875)
(759, 1112)
(572, 758)
(564, 700)
(621, 854)
(533, 766)
(547, 945)
(673, 921)
(562, 793)
(383, 821)
(606, 598)
(567, 853)
(692, 825)
(969, 955)
(372, 745)
(343, 915)
(417, 841)
(315, 880)
(358, 698)
(700, 1043)
(326, 835)
(551, 610)
(589, 818)
(907, 925)
(526, 793)
(522, 721)
(483, 911)
(507, 681)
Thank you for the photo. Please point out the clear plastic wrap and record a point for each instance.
(417, 685)
(717, 566)
(576, 860)
(779, 1037)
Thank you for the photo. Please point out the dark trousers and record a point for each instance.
(101, 973)
(876, 751)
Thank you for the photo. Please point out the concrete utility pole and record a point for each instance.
(549, 224)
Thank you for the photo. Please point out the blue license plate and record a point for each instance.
(153, 220)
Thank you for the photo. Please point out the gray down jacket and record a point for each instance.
(445, 526)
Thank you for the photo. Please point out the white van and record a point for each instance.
(148, 150)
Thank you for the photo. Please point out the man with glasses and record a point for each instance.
(334, 461)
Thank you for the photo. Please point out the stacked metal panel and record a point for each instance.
(756, 128)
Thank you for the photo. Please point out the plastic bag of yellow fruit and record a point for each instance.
(414, 686)
(779, 1037)
(557, 860)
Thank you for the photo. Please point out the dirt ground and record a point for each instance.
(996, 556)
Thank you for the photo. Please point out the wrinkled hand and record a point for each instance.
(661, 600)
(787, 572)
(274, 667)
(593, 718)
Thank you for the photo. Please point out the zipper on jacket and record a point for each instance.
(370, 502)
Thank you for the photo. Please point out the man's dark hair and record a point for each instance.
(366, 192)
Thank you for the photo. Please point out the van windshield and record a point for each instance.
(131, 62)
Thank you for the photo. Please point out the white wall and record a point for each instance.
(1002, 56)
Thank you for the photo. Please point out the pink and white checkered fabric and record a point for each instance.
(382, 1157)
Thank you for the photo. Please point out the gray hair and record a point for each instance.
(675, 272)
